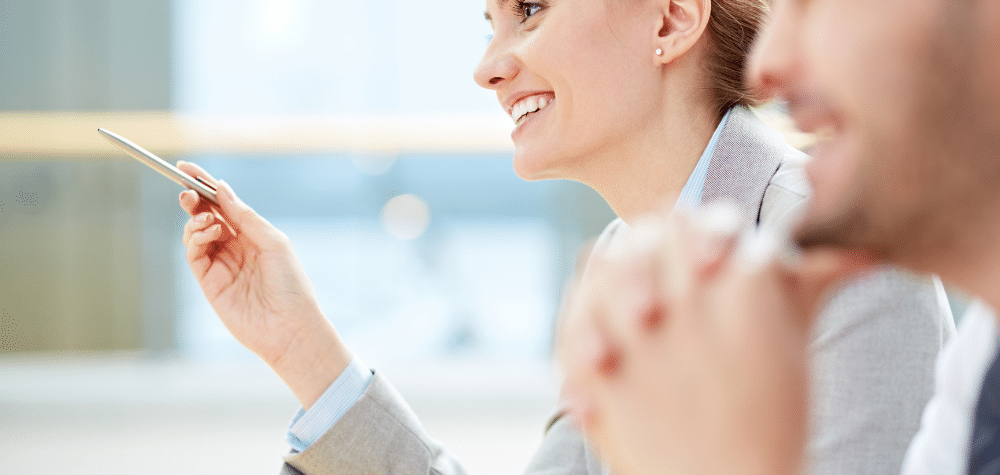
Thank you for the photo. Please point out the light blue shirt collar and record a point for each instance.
(691, 194)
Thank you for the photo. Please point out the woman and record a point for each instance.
(643, 101)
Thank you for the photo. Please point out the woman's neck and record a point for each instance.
(648, 170)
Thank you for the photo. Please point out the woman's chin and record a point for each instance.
(536, 166)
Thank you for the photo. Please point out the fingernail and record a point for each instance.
(189, 195)
(203, 217)
(179, 163)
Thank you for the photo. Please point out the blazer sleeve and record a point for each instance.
(380, 434)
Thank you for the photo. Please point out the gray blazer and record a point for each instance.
(873, 352)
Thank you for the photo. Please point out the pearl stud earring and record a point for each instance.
(659, 52)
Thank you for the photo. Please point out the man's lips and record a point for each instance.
(811, 114)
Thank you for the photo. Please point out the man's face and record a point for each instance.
(905, 91)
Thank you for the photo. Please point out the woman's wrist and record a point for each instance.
(311, 364)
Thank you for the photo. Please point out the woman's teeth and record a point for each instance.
(526, 106)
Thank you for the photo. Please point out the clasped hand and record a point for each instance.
(684, 348)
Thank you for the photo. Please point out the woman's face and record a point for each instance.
(578, 77)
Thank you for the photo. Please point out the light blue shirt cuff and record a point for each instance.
(307, 426)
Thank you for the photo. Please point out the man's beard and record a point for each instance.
(849, 230)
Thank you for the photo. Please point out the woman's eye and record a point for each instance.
(526, 9)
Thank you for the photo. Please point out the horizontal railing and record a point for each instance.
(68, 135)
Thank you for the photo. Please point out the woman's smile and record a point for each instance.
(527, 108)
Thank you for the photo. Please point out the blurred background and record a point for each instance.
(356, 128)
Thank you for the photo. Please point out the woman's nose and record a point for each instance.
(495, 68)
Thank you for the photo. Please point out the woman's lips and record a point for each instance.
(528, 105)
(528, 115)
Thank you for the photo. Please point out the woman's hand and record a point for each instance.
(250, 274)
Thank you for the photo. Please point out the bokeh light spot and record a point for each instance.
(406, 216)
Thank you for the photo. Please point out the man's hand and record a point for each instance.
(685, 350)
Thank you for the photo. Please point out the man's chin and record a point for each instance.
(848, 231)
(822, 236)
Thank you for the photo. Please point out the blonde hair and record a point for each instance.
(732, 27)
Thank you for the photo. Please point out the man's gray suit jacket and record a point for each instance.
(873, 352)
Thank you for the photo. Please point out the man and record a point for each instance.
(706, 373)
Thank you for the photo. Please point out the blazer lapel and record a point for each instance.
(746, 156)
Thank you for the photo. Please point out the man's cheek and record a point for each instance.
(831, 174)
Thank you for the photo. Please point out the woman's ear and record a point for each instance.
(682, 23)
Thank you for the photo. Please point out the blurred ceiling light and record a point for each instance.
(276, 15)
(406, 216)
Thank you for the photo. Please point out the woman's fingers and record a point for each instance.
(197, 223)
(205, 236)
(197, 253)
(235, 214)
(190, 201)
